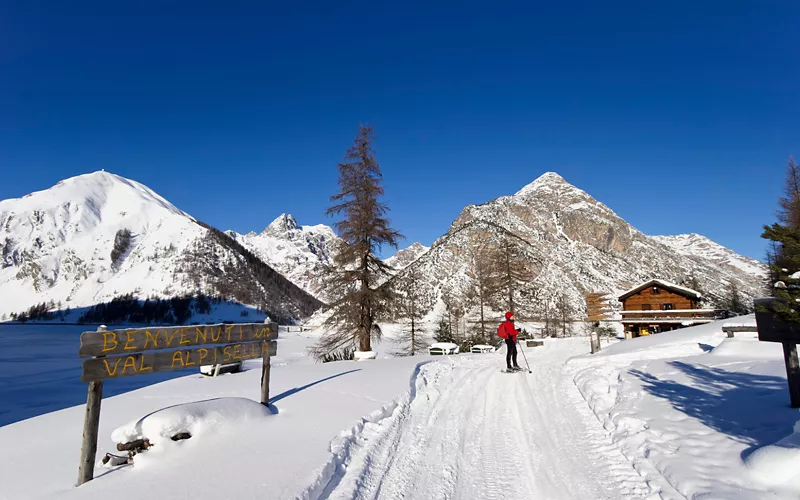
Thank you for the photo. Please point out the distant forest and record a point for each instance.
(129, 309)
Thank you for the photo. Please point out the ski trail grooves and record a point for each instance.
(471, 432)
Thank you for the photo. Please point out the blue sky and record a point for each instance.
(679, 115)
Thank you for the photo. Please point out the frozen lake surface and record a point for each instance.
(40, 371)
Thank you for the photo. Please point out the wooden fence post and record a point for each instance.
(265, 376)
(792, 372)
(91, 426)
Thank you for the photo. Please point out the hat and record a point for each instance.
(509, 315)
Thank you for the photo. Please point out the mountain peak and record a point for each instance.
(281, 225)
(101, 192)
(407, 255)
(546, 180)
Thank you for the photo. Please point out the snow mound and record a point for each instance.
(778, 464)
(748, 348)
(362, 355)
(197, 419)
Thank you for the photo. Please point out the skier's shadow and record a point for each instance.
(295, 390)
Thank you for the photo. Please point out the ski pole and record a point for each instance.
(523, 357)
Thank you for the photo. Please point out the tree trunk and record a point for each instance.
(413, 336)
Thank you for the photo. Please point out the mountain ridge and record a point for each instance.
(65, 244)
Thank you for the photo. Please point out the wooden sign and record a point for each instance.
(144, 363)
(152, 339)
(142, 351)
(597, 306)
(773, 328)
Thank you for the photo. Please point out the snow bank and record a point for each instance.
(686, 406)
(778, 464)
(362, 355)
(197, 419)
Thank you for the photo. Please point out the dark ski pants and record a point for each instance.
(511, 353)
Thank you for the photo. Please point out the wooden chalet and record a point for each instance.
(660, 306)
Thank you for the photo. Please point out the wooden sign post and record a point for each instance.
(598, 309)
(141, 351)
(773, 328)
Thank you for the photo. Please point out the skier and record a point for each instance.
(507, 332)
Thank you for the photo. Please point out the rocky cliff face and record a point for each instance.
(574, 244)
(407, 255)
(300, 253)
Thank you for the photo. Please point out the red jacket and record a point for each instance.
(507, 330)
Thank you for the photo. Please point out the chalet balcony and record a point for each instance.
(673, 316)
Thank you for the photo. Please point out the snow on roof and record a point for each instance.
(663, 284)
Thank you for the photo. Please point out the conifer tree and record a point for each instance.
(357, 271)
(784, 258)
(734, 302)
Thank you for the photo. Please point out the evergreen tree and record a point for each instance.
(357, 271)
(443, 331)
(784, 259)
(734, 302)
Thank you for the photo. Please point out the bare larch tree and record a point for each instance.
(356, 270)
(483, 272)
(513, 271)
(414, 302)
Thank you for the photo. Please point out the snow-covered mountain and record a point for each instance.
(574, 244)
(97, 236)
(406, 256)
(698, 246)
(298, 252)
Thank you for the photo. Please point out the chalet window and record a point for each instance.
(668, 307)
(646, 307)
(656, 291)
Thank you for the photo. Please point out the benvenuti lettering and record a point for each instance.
(237, 354)
(130, 362)
(176, 357)
(241, 333)
(128, 340)
(226, 351)
(150, 337)
(228, 330)
(111, 372)
(107, 343)
(143, 367)
(216, 335)
(198, 333)
(169, 340)
(189, 359)
(203, 354)
(184, 339)
(252, 353)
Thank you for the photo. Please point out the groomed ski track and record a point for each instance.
(468, 431)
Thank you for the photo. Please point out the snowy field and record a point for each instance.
(686, 414)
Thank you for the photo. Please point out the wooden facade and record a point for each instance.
(659, 306)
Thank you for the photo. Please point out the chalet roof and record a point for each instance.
(682, 290)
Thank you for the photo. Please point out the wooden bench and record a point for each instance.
(730, 330)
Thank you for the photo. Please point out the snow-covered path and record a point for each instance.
(468, 431)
